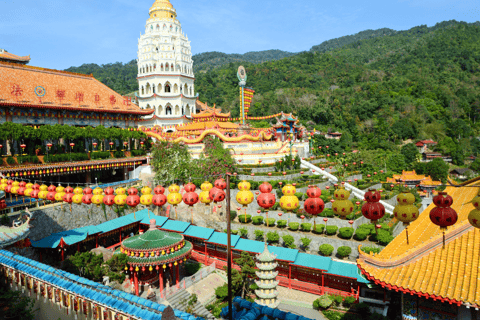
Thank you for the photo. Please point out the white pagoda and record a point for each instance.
(165, 69)
(267, 293)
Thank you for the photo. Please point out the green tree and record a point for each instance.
(437, 169)
(396, 162)
(410, 152)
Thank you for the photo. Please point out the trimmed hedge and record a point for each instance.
(328, 212)
(288, 241)
(325, 249)
(324, 302)
(259, 235)
(306, 226)
(293, 226)
(320, 228)
(241, 218)
(273, 237)
(271, 222)
(344, 251)
(361, 234)
(331, 230)
(257, 220)
(281, 223)
(371, 249)
(136, 153)
(345, 233)
(100, 155)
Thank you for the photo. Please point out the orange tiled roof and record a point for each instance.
(207, 125)
(27, 79)
(13, 57)
(209, 112)
(424, 267)
(429, 182)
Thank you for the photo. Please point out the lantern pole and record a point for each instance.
(229, 251)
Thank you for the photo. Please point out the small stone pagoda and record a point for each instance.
(153, 255)
(267, 283)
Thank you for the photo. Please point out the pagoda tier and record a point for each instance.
(267, 293)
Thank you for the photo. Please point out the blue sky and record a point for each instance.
(63, 33)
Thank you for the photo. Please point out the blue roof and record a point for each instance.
(199, 232)
(175, 225)
(285, 254)
(250, 245)
(159, 220)
(92, 290)
(70, 237)
(346, 270)
(221, 238)
(312, 261)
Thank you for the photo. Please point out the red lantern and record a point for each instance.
(220, 184)
(373, 209)
(68, 197)
(266, 200)
(372, 195)
(189, 187)
(314, 192)
(216, 194)
(109, 200)
(442, 215)
(133, 199)
(87, 195)
(314, 206)
(265, 187)
(443, 200)
(159, 190)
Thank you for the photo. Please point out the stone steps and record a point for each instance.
(180, 299)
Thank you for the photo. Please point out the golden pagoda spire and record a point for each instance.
(162, 9)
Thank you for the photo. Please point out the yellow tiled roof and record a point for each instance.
(423, 266)
(429, 182)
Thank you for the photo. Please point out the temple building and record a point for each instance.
(38, 96)
(13, 58)
(412, 179)
(288, 125)
(432, 280)
(165, 68)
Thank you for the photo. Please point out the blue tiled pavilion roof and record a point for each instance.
(285, 254)
(221, 238)
(250, 245)
(176, 225)
(199, 232)
(312, 261)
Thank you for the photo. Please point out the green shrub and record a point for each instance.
(243, 232)
(293, 226)
(241, 218)
(281, 223)
(319, 228)
(259, 235)
(371, 249)
(323, 302)
(348, 301)
(306, 226)
(367, 226)
(273, 237)
(10, 160)
(119, 154)
(257, 220)
(234, 231)
(100, 155)
(222, 292)
(192, 267)
(233, 215)
(305, 242)
(345, 233)
(325, 249)
(361, 234)
(288, 241)
(344, 251)
(136, 153)
(271, 222)
(331, 230)
(338, 299)
(384, 237)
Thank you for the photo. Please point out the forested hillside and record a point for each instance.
(380, 87)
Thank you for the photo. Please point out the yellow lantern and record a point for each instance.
(43, 187)
(59, 196)
(78, 194)
(16, 184)
(78, 190)
(3, 185)
(14, 190)
(150, 268)
(244, 185)
(29, 189)
(244, 196)
(341, 194)
(405, 210)
(289, 201)
(120, 199)
(342, 206)
(204, 198)
(120, 191)
(164, 266)
(474, 218)
(206, 186)
(98, 199)
(29, 186)
(147, 197)
(141, 254)
(42, 194)
(98, 191)
(163, 252)
(136, 269)
(174, 197)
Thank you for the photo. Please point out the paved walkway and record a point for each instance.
(306, 312)
(205, 289)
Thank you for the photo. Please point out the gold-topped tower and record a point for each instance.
(162, 9)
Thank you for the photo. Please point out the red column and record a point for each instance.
(96, 241)
(121, 229)
(323, 284)
(177, 275)
(206, 254)
(358, 293)
(289, 276)
(160, 280)
(136, 282)
(63, 252)
(78, 247)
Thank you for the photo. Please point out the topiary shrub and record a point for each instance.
(344, 251)
(348, 301)
(361, 234)
(288, 241)
(371, 249)
(271, 222)
(345, 233)
(306, 227)
(234, 231)
(10, 160)
(305, 242)
(259, 235)
(319, 229)
(241, 218)
(257, 220)
(233, 215)
(273, 237)
(331, 230)
(325, 249)
(384, 237)
(281, 223)
(324, 302)
(293, 226)
(243, 232)
(328, 212)
(192, 268)
(367, 226)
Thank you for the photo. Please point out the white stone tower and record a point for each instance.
(267, 293)
(165, 68)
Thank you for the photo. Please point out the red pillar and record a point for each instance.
(96, 241)
(136, 282)
(289, 276)
(63, 252)
(160, 280)
(121, 229)
(78, 247)
(323, 284)
(206, 254)
(177, 275)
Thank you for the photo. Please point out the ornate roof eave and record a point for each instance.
(62, 107)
